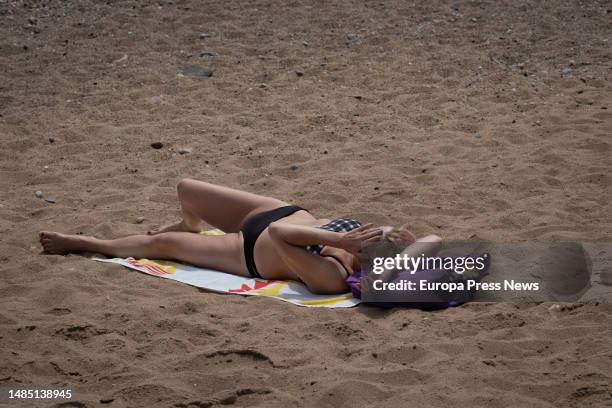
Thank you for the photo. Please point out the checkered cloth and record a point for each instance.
(337, 225)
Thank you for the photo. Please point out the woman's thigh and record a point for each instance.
(222, 207)
(220, 252)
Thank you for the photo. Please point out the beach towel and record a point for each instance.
(217, 281)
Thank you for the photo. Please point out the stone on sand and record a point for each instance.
(121, 61)
(195, 70)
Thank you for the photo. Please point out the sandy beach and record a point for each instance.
(472, 120)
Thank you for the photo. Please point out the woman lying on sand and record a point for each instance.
(265, 238)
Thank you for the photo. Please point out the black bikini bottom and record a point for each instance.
(254, 226)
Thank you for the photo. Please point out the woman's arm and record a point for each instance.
(302, 235)
(321, 275)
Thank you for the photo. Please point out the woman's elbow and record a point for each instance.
(275, 230)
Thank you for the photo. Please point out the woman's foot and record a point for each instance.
(61, 244)
(181, 226)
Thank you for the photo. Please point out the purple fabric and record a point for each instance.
(436, 302)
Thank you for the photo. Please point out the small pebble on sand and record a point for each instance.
(299, 72)
(51, 200)
(121, 61)
(555, 308)
(139, 220)
(51, 140)
(294, 167)
(39, 194)
(194, 70)
(184, 150)
(157, 145)
(155, 99)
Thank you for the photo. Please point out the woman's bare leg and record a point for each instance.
(217, 252)
(222, 207)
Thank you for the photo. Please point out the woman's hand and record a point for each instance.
(400, 237)
(354, 241)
